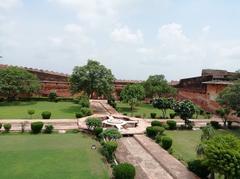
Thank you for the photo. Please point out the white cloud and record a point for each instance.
(230, 52)
(206, 29)
(9, 4)
(125, 35)
(75, 28)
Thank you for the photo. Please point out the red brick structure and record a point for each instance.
(59, 82)
(204, 89)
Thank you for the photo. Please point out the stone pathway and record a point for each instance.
(147, 167)
(167, 161)
(150, 160)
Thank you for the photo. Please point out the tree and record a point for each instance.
(223, 113)
(157, 86)
(92, 78)
(132, 94)
(163, 104)
(111, 134)
(222, 155)
(17, 81)
(230, 97)
(185, 110)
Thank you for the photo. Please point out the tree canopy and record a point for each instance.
(15, 81)
(92, 78)
(132, 94)
(163, 104)
(222, 154)
(230, 97)
(157, 86)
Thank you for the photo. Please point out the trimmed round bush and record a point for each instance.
(172, 115)
(48, 129)
(111, 134)
(156, 123)
(31, 112)
(166, 142)
(79, 115)
(124, 171)
(98, 131)
(215, 124)
(36, 127)
(86, 111)
(172, 124)
(93, 122)
(7, 127)
(46, 115)
(199, 168)
(158, 138)
(154, 130)
(153, 115)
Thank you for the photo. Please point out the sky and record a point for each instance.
(134, 38)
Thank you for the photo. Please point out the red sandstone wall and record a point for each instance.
(201, 100)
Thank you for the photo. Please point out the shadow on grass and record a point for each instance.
(17, 103)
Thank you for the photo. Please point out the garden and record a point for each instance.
(50, 156)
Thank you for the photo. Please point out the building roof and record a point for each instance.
(216, 82)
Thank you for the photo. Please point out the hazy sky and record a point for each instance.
(135, 38)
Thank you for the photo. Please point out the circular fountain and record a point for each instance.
(115, 122)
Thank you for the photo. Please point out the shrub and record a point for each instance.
(111, 134)
(215, 124)
(98, 131)
(166, 142)
(92, 123)
(48, 129)
(111, 101)
(7, 127)
(156, 123)
(36, 127)
(153, 131)
(158, 138)
(172, 124)
(172, 115)
(46, 115)
(31, 112)
(124, 171)
(86, 111)
(199, 168)
(79, 115)
(52, 96)
(153, 115)
(84, 101)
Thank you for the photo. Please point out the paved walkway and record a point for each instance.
(173, 166)
(147, 167)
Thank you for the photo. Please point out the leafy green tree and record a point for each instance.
(230, 97)
(93, 122)
(163, 104)
(132, 94)
(157, 86)
(223, 113)
(185, 110)
(222, 154)
(92, 78)
(17, 81)
(111, 134)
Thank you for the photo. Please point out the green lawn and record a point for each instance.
(185, 142)
(141, 109)
(18, 110)
(50, 156)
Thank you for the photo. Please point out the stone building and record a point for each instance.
(204, 89)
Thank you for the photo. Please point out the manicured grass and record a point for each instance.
(50, 156)
(142, 109)
(185, 143)
(18, 110)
